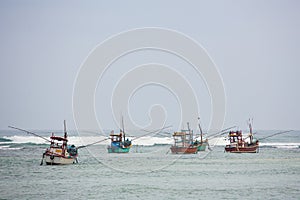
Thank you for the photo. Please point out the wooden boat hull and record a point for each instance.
(247, 149)
(184, 150)
(58, 160)
(118, 149)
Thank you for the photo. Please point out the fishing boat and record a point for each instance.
(201, 145)
(59, 152)
(183, 142)
(238, 144)
(119, 143)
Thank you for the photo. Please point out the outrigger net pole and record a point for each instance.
(83, 146)
(281, 132)
(150, 132)
(29, 132)
(222, 132)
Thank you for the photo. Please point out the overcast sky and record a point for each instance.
(254, 44)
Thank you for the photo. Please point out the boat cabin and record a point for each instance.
(235, 136)
(183, 138)
(116, 137)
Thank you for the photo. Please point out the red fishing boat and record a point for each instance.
(238, 144)
(183, 142)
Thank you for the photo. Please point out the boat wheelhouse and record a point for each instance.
(183, 143)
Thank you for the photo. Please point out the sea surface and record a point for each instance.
(150, 171)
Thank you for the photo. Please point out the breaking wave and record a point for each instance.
(16, 142)
(5, 140)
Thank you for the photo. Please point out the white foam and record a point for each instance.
(220, 141)
(146, 140)
(8, 148)
(281, 145)
(25, 139)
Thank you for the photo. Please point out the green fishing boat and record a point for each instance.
(201, 145)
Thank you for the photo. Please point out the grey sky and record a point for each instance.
(255, 45)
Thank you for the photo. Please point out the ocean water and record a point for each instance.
(150, 171)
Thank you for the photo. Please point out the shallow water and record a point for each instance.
(149, 172)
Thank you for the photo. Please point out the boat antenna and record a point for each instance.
(29, 132)
(201, 132)
(188, 126)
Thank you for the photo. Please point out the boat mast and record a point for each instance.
(201, 133)
(250, 127)
(65, 136)
(65, 130)
(190, 134)
(123, 128)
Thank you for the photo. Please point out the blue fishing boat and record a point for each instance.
(119, 143)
